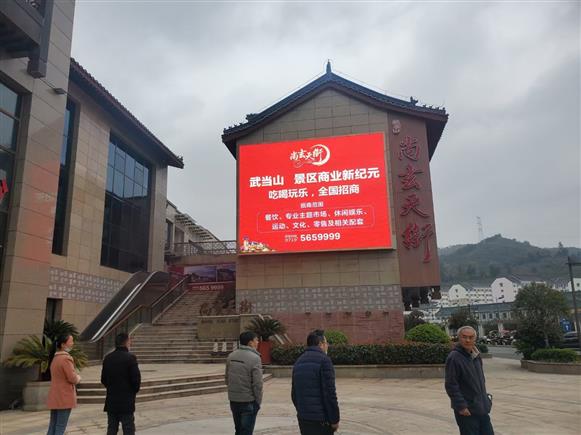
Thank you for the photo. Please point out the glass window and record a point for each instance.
(7, 131)
(128, 189)
(118, 183)
(58, 236)
(9, 117)
(129, 166)
(9, 100)
(119, 159)
(126, 214)
(6, 163)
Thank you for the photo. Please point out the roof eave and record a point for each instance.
(82, 78)
(435, 121)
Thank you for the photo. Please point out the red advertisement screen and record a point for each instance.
(322, 194)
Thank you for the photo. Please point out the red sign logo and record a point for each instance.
(313, 195)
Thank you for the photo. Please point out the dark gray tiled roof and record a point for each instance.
(436, 116)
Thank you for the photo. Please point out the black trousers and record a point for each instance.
(315, 428)
(474, 424)
(127, 423)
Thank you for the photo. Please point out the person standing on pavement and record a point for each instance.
(313, 388)
(244, 381)
(62, 395)
(122, 379)
(465, 384)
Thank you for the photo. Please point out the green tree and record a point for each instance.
(462, 317)
(537, 309)
(415, 318)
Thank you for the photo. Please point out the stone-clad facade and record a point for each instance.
(339, 289)
(71, 283)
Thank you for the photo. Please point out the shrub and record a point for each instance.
(530, 337)
(415, 318)
(335, 337)
(427, 333)
(410, 353)
(482, 347)
(554, 355)
(266, 327)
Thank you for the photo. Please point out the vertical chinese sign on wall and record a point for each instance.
(313, 195)
(418, 256)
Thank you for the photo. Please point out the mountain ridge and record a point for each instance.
(498, 256)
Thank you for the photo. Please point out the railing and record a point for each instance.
(220, 247)
(168, 299)
(134, 305)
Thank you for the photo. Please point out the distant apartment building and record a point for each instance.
(464, 294)
(505, 289)
(564, 284)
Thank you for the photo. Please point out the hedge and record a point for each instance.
(427, 333)
(367, 354)
(335, 337)
(554, 355)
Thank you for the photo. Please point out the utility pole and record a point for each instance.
(571, 264)
(480, 230)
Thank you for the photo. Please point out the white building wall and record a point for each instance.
(504, 290)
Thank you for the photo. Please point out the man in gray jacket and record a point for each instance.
(244, 381)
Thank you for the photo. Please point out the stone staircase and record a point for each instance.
(169, 388)
(186, 309)
(173, 337)
(160, 344)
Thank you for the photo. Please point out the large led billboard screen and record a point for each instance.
(322, 194)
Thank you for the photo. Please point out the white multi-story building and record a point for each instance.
(564, 285)
(505, 289)
(462, 294)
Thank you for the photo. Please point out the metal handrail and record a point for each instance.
(217, 247)
(114, 318)
(168, 299)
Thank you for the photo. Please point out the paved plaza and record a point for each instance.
(524, 404)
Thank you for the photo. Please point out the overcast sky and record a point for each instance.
(507, 73)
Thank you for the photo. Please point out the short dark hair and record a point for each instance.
(246, 337)
(316, 337)
(121, 339)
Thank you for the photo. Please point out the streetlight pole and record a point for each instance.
(571, 264)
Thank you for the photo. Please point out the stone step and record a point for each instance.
(188, 360)
(174, 353)
(163, 347)
(85, 392)
(160, 396)
(161, 381)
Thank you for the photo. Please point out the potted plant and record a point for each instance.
(32, 351)
(266, 328)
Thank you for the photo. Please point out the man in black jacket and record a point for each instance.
(313, 388)
(466, 386)
(121, 377)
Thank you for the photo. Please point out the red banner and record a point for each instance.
(322, 194)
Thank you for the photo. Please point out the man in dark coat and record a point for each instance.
(313, 388)
(121, 377)
(466, 386)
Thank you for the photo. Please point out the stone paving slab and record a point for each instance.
(525, 403)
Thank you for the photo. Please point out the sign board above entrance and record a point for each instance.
(322, 194)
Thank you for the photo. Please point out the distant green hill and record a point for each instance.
(498, 256)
